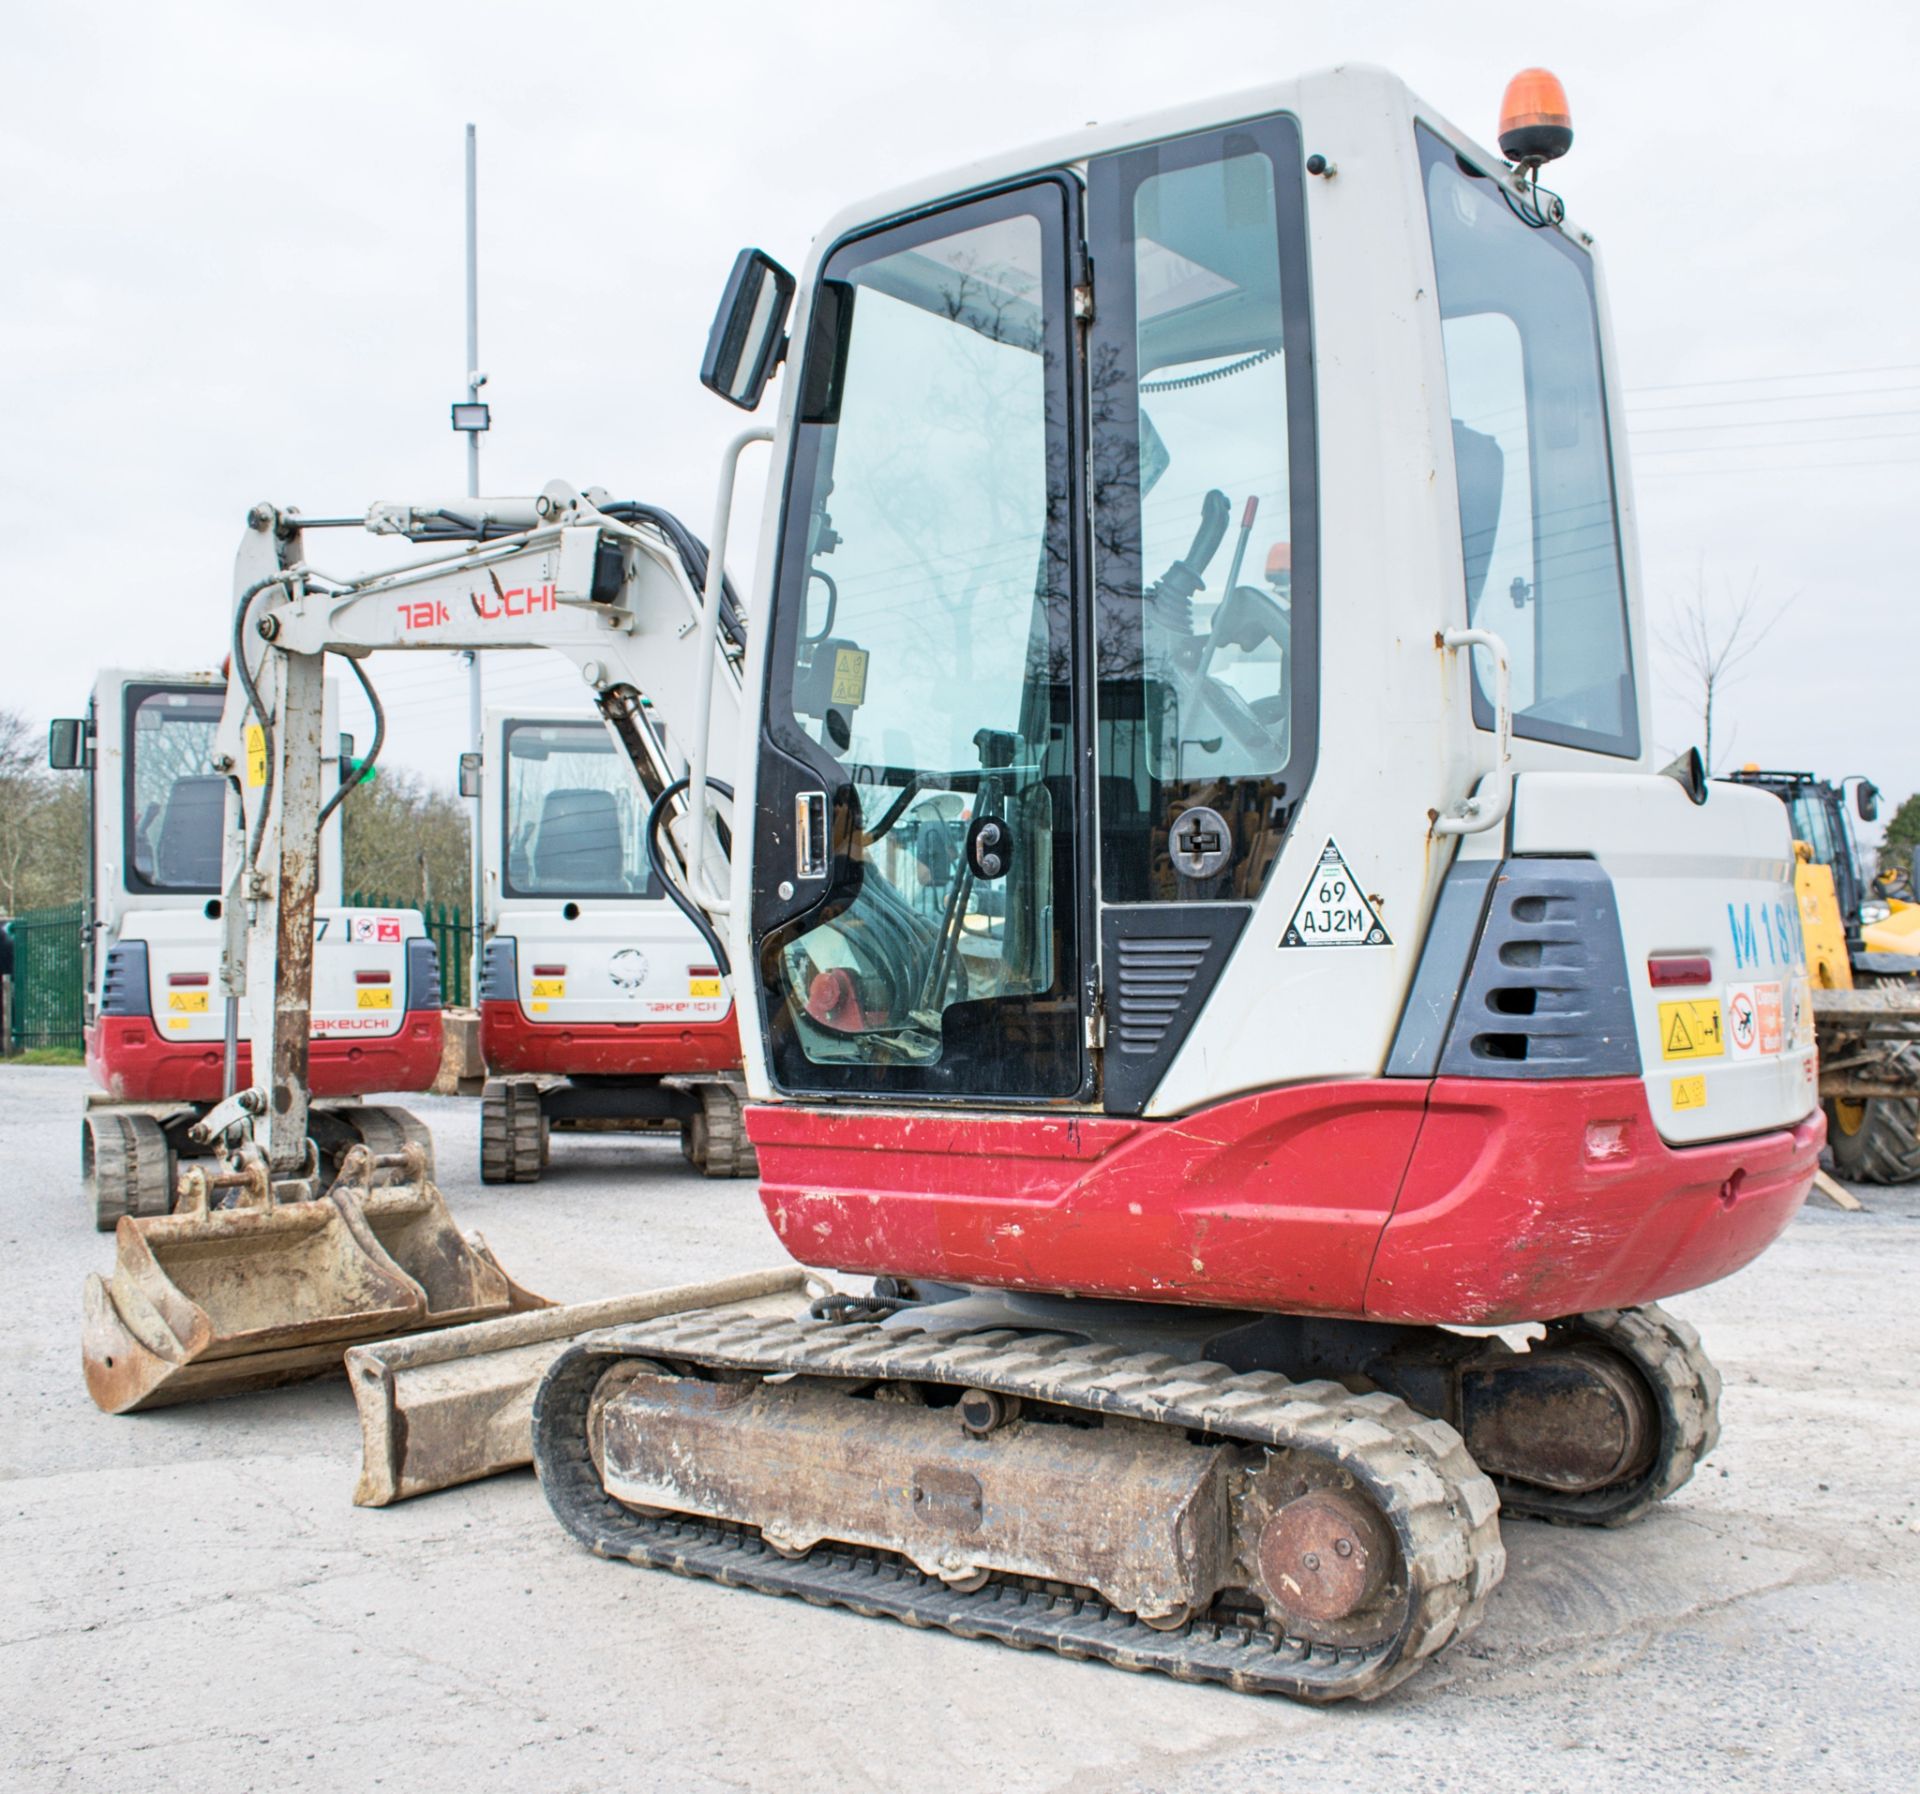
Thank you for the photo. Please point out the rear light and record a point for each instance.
(549, 971)
(188, 980)
(373, 977)
(1666, 970)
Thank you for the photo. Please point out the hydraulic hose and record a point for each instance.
(685, 904)
(258, 708)
(373, 753)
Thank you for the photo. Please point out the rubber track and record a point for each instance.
(729, 1152)
(510, 1141)
(1686, 1391)
(1443, 1510)
(131, 1171)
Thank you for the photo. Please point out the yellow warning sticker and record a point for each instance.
(549, 987)
(256, 756)
(538, 1008)
(177, 1021)
(849, 676)
(1692, 1030)
(191, 1002)
(1690, 1093)
(376, 999)
(703, 987)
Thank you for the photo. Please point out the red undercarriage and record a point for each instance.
(133, 1063)
(1461, 1201)
(510, 1042)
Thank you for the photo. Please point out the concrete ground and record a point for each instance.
(191, 1602)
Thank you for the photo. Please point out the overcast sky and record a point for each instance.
(231, 235)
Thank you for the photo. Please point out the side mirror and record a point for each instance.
(67, 744)
(1691, 772)
(469, 775)
(749, 330)
(1866, 799)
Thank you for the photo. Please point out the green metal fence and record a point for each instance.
(46, 1002)
(447, 928)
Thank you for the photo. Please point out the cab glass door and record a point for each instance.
(918, 845)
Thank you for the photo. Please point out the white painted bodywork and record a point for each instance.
(1398, 745)
(1685, 877)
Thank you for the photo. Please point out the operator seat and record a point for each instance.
(578, 847)
(186, 855)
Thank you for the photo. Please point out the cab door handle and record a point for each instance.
(810, 834)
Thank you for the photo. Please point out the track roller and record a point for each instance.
(126, 1166)
(513, 1133)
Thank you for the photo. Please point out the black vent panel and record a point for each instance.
(1546, 994)
(1151, 985)
(1159, 964)
(123, 982)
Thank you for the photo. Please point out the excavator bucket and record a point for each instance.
(210, 1301)
(456, 1405)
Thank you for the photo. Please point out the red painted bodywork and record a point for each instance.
(510, 1042)
(1461, 1201)
(132, 1062)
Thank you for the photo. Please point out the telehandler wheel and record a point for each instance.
(715, 1141)
(1874, 1141)
(126, 1167)
(513, 1132)
(1877, 1140)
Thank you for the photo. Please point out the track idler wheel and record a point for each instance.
(1653, 1401)
(126, 1166)
(513, 1133)
(715, 1140)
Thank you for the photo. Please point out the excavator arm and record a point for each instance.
(265, 1272)
(617, 598)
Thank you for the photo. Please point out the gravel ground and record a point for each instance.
(194, 1603)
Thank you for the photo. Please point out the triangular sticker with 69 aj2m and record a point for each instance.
(1333, 911)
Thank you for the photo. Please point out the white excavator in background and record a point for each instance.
(162, 1043)
(602, 1009)
(1292, 980)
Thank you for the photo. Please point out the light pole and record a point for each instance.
(472, 418)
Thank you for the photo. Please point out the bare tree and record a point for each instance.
(1709, 640)
(42, 822)
(404, 838)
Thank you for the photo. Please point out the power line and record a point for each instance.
(1753, 448)
(1900, 367)
(1780, 398)
(1775, 423)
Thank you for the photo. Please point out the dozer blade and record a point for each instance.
(1869, 1040)
(456, 1405)
(212, 1301)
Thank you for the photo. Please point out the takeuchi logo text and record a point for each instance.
(490, 606)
